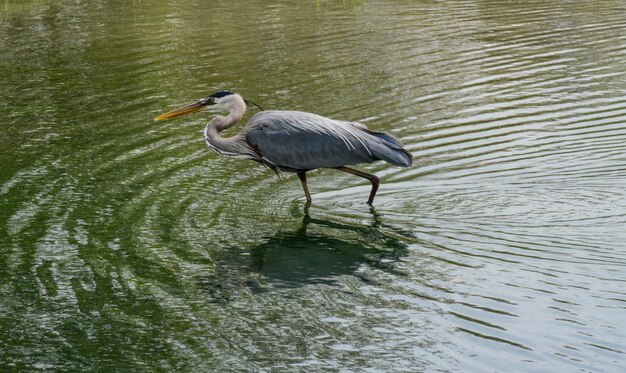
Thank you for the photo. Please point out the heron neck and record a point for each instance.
(220, 123)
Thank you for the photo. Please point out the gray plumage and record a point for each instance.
(299, 141)
(295, 141)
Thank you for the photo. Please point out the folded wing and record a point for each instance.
(296, 140)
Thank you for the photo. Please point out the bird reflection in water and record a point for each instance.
(318, 252)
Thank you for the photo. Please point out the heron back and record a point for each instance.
(293, 140)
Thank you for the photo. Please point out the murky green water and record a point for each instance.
(128, 246)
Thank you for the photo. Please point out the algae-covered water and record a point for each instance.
(127, 245)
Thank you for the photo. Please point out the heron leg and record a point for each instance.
(372, 178)
(302, 176)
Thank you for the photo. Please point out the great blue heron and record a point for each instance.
(295, 141)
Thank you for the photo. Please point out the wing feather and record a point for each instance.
(294, 140)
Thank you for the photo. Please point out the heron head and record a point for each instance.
(226, 100)
(220, 100)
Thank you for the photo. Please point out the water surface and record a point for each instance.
(127, 245)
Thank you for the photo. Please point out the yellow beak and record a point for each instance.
(196, 106)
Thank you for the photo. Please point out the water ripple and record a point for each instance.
(123, 240)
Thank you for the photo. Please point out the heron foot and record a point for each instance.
(302, 176)
(372, 178)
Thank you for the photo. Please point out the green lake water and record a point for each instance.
(127, 245)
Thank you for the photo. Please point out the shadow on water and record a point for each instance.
(319, 251)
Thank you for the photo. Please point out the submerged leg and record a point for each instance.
(302, 176)
(372, 178)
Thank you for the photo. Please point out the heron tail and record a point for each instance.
(390, 150)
